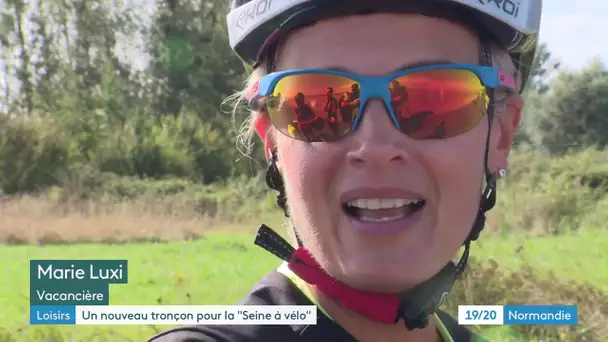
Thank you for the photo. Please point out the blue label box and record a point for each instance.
(540, 314)
(52, 315)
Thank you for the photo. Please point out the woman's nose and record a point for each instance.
(377, 141)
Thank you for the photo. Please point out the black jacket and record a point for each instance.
(277, 289)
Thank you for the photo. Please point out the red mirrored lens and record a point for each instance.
(314, 107)
(436, 104)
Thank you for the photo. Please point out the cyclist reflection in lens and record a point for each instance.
(306, 121)
(354, 95)
(331, 110)
(350, 104)
(398, 98)
(410, 123)
(303, 110)
(343, 106)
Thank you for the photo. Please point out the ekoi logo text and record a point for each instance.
(508, 6)
(251, 12)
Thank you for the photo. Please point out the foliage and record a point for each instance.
(32, 153)
(75, 108)
(486, 282)
(552, 195)
(573, 113)
(94, 112)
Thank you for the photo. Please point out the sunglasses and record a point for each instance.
(428, 102)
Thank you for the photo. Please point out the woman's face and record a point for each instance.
(379, 162)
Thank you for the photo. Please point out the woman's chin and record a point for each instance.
(377, 283)
(375, 280)
(391, 276)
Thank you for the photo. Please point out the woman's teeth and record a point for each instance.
(382, 210)
(381, 219)
(375, 203)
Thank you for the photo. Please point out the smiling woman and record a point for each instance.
(386, 127)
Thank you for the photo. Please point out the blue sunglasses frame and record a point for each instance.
(377, 87)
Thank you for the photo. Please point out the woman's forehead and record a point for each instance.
(377, 43)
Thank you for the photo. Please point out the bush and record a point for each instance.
(238, 199)
(75, 153)
(32, 154)
(554, 195)
(484, 283)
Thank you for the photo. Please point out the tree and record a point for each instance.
(574, 110)
(542, 66)
(537, 86)
(194, 67)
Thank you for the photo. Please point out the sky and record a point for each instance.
(575, 31)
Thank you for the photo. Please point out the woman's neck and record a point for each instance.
(366, 330)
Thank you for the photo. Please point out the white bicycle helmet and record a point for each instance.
(254, 25)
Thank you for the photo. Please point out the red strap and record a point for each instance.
(376, 306)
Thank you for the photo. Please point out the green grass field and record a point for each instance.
(221, 268)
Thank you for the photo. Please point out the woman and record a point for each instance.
(379, 212)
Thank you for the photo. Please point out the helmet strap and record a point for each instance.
(274, 180)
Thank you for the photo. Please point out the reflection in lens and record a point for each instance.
(314, 107)
(437, 104)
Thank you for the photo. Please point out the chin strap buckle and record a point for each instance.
(273, 243)
(425, 299)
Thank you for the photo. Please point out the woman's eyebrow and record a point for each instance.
(403, 67)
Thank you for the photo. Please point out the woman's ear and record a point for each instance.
(506, 124)
(262, 128)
